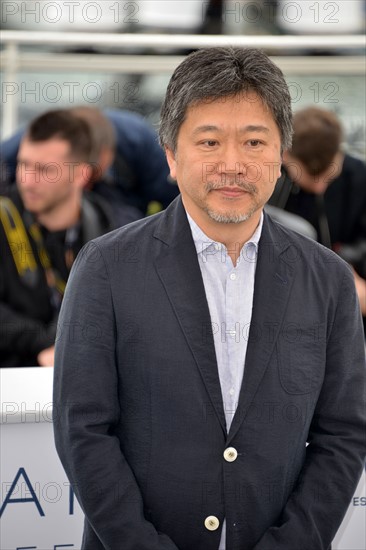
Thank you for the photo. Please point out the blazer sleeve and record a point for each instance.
(335, 453)
(86, 411)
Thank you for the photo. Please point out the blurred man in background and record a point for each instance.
(44, 222)
(326, 187)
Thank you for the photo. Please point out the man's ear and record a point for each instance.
(83, 175)
(170, 157)
(105, 161)
(337, 165)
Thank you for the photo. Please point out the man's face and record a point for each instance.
(46, 175)
(227, 160)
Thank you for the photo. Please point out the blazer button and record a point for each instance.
(212, 523)
(230, 454)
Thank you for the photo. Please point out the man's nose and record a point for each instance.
(231, 161)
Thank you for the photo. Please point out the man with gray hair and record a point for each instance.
(211, 395)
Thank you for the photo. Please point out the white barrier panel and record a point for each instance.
(38, 509)
(352, 533)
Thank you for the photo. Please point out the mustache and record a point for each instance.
(231, 182)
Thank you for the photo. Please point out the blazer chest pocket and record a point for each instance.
(301, 361)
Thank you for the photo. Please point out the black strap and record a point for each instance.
(324, 233)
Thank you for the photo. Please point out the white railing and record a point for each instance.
(13, 59)
(169, 41)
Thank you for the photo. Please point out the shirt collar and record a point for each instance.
(202, 241)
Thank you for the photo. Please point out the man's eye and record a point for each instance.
(210, 142)
(254, 142)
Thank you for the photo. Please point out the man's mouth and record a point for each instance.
(231, 191)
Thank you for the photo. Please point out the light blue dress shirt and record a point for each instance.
(229, 292)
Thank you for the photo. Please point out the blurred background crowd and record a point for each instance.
(79, 151)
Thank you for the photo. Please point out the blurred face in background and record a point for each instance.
(48, 177)
(312, 183)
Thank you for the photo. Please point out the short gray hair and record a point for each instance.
(214, 73)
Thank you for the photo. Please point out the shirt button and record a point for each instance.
(232, 276)
(217, 246)
(212, 523)
(230, 454)
(232, 391)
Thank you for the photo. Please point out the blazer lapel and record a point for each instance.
(178, 268)
(273, 282)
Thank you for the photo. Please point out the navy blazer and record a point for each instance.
(138, 411)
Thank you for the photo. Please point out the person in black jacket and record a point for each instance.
(209, 384)
(328, 188)
(44, 222)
